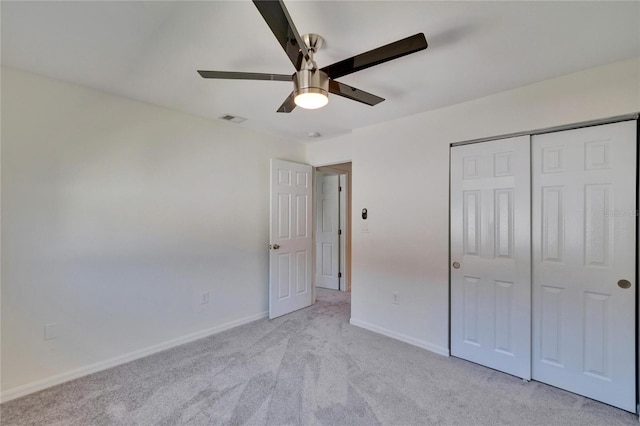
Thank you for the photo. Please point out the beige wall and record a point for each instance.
(401, 174)
(116, 217)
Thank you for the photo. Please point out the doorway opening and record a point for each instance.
(332, 195)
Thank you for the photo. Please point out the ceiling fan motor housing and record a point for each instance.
(310, 81)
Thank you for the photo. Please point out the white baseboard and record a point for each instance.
(39, 385)
(440, 350)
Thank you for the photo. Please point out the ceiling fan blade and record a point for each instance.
(288, 105)
(230, 75)
(277, 17)
(354, 94)
(377, 56)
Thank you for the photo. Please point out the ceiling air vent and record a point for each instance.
(233, 118)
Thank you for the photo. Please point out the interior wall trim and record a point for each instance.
(401, 337)
(598, 122)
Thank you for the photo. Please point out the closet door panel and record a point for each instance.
(490, 254)
(584, 242)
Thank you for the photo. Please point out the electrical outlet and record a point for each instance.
(394, 298)
(51, 331)
(204, 297)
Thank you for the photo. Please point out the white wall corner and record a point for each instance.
(440, 350)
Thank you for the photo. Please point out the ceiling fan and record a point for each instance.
(311, 85)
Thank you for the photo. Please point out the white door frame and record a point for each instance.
(345, 225)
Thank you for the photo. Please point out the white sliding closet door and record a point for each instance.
(584, 245)
(490, 254)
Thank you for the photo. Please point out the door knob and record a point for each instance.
(275, 246)
(624, 284)
(456, 265)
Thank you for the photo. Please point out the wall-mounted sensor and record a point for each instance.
(364, 214)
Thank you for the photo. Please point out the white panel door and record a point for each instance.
(345, 232)
(490, 254)
(291, 237)
(327, 228)
(584, 221)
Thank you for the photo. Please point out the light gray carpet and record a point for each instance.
(307, 368)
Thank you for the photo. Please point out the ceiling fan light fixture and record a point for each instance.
(311, 89)
(310, 99)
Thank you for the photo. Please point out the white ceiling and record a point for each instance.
(150, 51)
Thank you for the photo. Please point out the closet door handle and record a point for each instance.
(624, 284)
(456, 265)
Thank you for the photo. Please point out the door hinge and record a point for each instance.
(339, 189)
(339, 231)
(339, 274)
